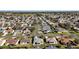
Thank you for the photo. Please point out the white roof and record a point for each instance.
(2, 42)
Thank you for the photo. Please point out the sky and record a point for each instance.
(28, 5)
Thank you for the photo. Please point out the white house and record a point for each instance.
(37, 40)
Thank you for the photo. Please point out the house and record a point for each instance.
(1, 23)
(76, 28)
(12, 42)
(51, 40)
(7, 30)
(17, 33)
(25, 41)
(7, 23)
(27, 32)
(61, 20)
(46, 28)
(38, 40)
(64, 40)
(2, 42)
(61, 36)
(58, 36)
